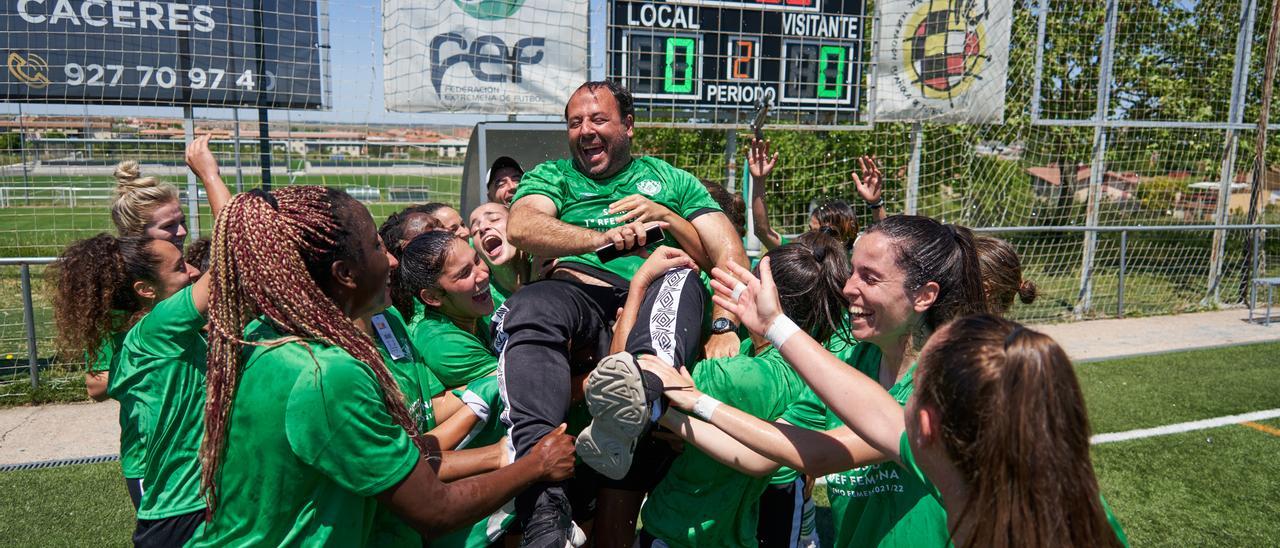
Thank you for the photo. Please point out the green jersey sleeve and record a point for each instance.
(691, 195)
(165, 330)
(544, 179)
(455, 356)
(336, 422)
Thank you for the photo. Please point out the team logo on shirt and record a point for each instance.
(649, 187)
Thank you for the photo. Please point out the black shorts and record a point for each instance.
(134, 487)
(167, 532)
(781, 507)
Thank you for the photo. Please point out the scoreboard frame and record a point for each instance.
(783, 37)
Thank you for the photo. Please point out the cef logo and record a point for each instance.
(489, 10)
(29, 70)
(945, 48)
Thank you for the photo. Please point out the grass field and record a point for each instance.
(1216, 487)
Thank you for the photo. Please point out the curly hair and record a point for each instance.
(91, 286)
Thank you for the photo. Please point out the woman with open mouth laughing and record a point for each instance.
(910, 276)
(509, 267)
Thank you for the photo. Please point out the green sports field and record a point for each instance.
(1216, 487)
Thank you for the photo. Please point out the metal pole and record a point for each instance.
(193, 196)
(1239, 85)
(264, 148)
(22, 148)
(1039, 71)
(1124, 247)
(913, 169)
(1264, 114)
(264, 130)
(29, 322)
(731, 158)
(1099, 163)
(235, 112)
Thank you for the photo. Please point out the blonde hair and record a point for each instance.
(137, 197)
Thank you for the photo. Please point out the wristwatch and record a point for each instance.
(721, 326)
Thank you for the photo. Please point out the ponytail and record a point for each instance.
(272, 259)
(810, 273)
(136, 198)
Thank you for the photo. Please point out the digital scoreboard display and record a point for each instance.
(799, 55)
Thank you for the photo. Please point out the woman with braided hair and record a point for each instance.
(307, 436)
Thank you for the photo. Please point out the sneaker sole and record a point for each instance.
(615, 394)
(615, 398)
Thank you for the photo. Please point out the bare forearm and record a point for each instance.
(760, 221)
(859, 401)
(95, 385)
(878, 214)
(216, 192)
(814, 453)
(545, 236)
(687, 236)
(452, 431)
(459, 503)
(718, 445)
(627, 320)
(455, 465)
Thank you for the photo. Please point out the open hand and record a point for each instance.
(759, 161)
(677, 384)
(870, 185)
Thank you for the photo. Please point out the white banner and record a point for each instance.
(943, 60)
(483, 56)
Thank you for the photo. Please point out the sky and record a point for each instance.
(355, 37)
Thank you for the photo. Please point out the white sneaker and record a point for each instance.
(615, 397)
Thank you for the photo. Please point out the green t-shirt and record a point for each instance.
(309, 444)
(455, 356)
(499, 295)
(584, 202)
(417, 382)
(881, 504)
(159, 382)
(702, 502)
(132, 446)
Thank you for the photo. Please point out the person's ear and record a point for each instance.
(431, 297)
(343, 274)
(925, 297)
(629, 122)
(144, 290)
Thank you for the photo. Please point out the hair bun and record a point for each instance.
(1027, 292)
(127, 172)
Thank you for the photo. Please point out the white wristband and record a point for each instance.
(704, 407)
(780, 330)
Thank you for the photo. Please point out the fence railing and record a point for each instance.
(1256, 260)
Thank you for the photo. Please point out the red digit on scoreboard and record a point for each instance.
(744, 56)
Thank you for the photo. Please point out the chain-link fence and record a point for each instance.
(1118, 113)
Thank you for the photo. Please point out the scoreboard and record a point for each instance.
(798, 55)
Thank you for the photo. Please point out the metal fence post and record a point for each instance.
(913, 169)
(29, 322)
(193, 195)
(1239, 85)
(239, 169)
(1098, 166)
(1124, 248)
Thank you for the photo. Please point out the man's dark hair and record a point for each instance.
(626, 103)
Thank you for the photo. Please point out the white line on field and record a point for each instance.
(1184, 427)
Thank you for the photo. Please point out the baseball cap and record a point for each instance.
(501, 162)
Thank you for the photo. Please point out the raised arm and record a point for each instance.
(761, 164)
(870, 186)
(868, 410)
(201, 161)
(433, 508)
(533, 227)
(754, 441)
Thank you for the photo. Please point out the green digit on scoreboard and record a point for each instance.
(828, 89)
(671, 83)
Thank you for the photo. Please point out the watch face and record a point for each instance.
(722, 325)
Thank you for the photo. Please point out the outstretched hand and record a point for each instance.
(759, 161)
(660, 261)
(757, 305)
(870, 184)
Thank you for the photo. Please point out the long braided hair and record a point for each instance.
(271, 254)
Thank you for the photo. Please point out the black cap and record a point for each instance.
(501, 162)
